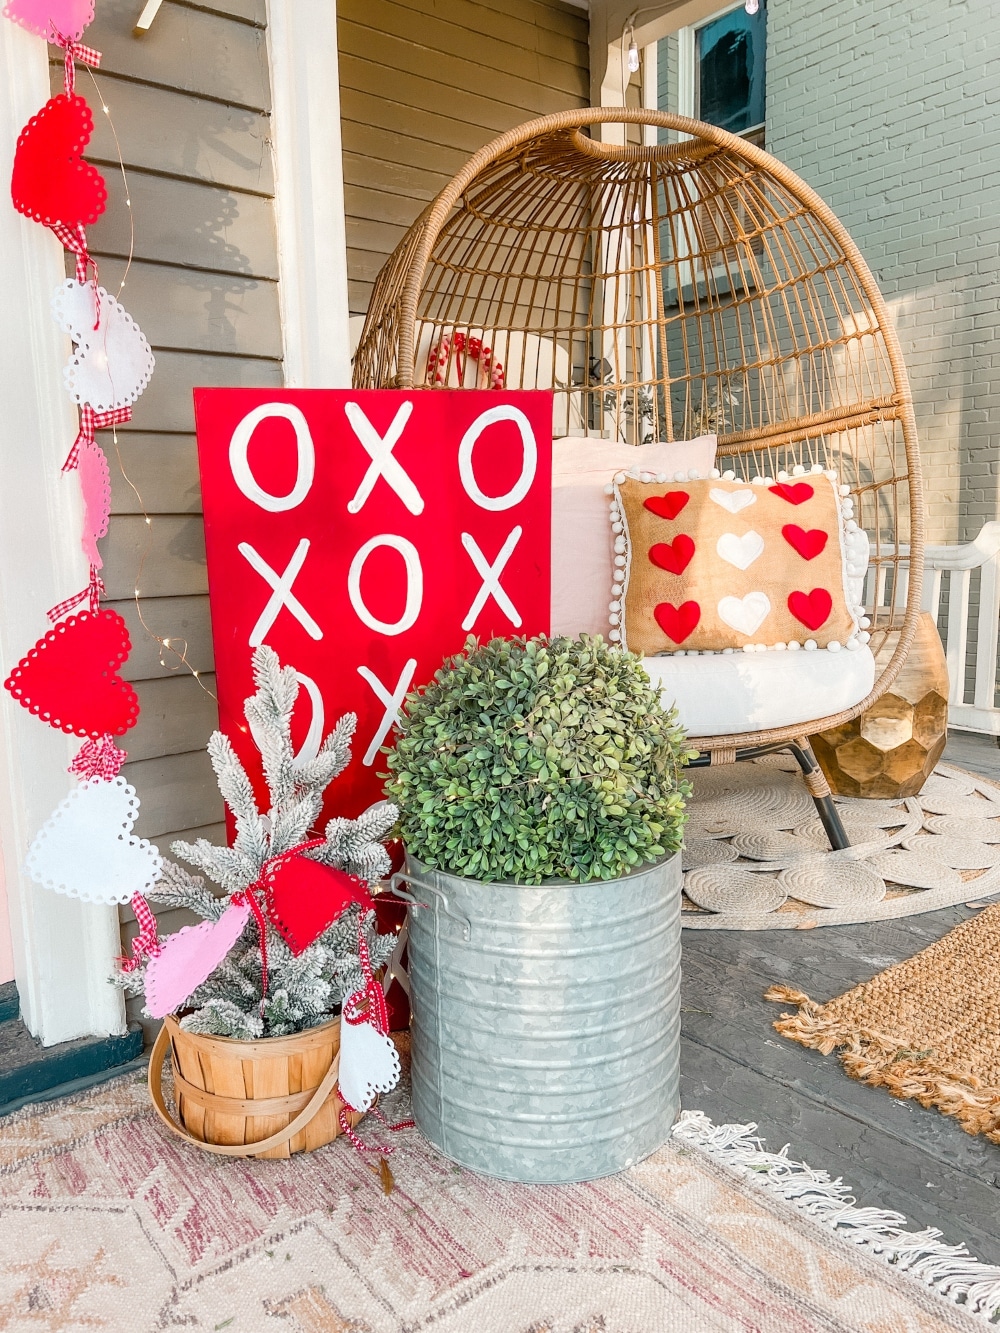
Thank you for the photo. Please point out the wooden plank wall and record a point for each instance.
(424, 84)
(189, 102)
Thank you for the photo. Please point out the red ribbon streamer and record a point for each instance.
(74, 51)
(355, 1010)
(91, 421)
(94, 591)
(146, 944)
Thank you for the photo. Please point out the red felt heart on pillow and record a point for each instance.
(70, 678)
(796, 494)
(51, 182)
(677, 622)
(304, 897)
(812, 608)
(808, 544)
(669, 505)
(673, 556)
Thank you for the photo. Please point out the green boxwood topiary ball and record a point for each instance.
(525, 760)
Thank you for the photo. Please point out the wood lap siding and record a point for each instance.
(190, 103)
(424, 84)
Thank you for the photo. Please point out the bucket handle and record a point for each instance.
(308, 1112)
(405, 877)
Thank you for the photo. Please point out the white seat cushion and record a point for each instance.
(724, 694)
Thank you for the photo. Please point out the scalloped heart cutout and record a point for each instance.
(112, 364)
(95, 485)
(51, 18)
(304, 897)
(369, 1064)
(189, 957)
(50, 181)
(70, 678)
(86, 848)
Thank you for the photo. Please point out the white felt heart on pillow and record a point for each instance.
(111, 364)
(740, 551)
(733, 501)
(745, 614)
(369, 1064)
(188, 957)
(86, 848)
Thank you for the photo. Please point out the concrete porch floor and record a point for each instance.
(735, 1067)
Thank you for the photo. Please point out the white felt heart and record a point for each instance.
(187, 958)
(112, 364)
(733, 501)
(745, 614)
(369, 1064)
(86, 848)
(740, 551)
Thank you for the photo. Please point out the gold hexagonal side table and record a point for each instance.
(891, 750)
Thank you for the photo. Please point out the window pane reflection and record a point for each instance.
(729, 64)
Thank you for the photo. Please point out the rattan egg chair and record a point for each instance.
(664, 291)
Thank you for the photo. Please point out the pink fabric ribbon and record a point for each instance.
(91, 421)
(146, 944)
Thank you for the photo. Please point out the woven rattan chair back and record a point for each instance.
(664, 291)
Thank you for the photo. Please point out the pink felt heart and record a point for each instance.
(95, 483)
(51, 18)
(190, 956)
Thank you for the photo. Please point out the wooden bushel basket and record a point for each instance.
(266, 1098)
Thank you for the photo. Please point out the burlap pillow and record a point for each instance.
(715, 564)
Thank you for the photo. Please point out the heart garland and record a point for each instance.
(70, 678)
(95, 483)
(188, 957)
(51, 183)
(303, 897)
(51, 19)
(86, 848)
(112, 362)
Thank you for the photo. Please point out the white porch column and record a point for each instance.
(63, 949)
(309, 194)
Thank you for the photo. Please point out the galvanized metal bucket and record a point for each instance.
(546, 1021)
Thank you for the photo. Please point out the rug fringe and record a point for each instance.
(879, 1060)
(950, 1270)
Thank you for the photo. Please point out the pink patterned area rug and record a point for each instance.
(106, 1222)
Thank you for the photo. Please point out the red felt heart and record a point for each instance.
(808, 544)
(796, 494)
(811, 608)
(70, 678)
(677, 622)
(669, 505)
(304, 897)
(51, 182)
(673, 556)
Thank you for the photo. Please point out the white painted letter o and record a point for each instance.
(528, 465)
(305, 466)
(414, 584)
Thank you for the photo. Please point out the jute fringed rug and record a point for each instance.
(107, 1223)
(927, 1028)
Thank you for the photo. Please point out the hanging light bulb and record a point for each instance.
(633, 53)
(751, 6)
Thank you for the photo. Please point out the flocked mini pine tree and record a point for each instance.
(304, 990)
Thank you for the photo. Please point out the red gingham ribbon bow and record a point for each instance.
(99, 759)
(91, 421)
(146, 944)
(74, 51)
(74, 239)
(94, 591)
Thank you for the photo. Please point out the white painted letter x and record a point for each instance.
(491, 579)
(391, 703)
(282, 594)
(383, 463)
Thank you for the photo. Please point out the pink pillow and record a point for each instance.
(582, 540)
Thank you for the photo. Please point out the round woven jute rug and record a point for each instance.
(757, 858)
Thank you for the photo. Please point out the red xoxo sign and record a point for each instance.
(363, 535)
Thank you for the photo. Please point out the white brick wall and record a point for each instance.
(890, 109)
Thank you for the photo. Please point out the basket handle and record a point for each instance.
(277, 1140)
